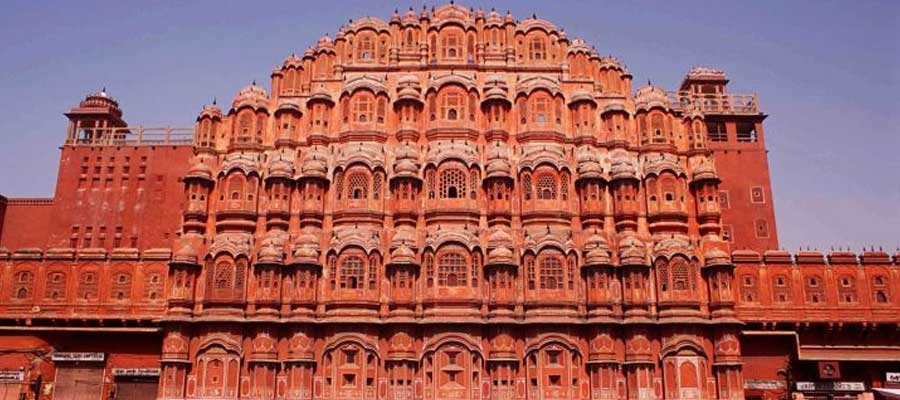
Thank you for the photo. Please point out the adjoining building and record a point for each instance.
(452, 204)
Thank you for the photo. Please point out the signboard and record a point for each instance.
(763, 384)
(11, 375)
(76, 357)
(135, 371)
(831, 386)
(892, 377)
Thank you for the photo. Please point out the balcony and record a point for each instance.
(131, 136)
(713, 103)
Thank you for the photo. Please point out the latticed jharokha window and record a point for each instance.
(546, 187)
(452, 106)
(541, 110)
(452, 184)
(366, 49)
(537, 48)
(452, 270)
(352, 273)
(452, 45)
(362, 109)
(551, 273)
(357, 186)
(681, 276)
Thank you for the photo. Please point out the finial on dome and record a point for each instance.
(214, 100)
(451, 2)
(533, 15)
(253, 83)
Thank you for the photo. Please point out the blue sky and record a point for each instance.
(826, 71)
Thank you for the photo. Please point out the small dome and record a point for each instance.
(407, 162)
(588, 165)
(498, 164)
(280, 168)
(269, 253)
(305, 249)
(716, 256)
(210, 111)
(622, 168)
(632, 251)
(199, 170)
(500, 237)
(314, 165)
(649, 97)
(403, 255)
(705, 171)
(292, 61)
(581, 95)
(187, 254)
(501, 256)
(251, 96)
(596, 250)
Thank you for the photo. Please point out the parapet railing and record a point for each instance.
(715, 103)
(131, 136)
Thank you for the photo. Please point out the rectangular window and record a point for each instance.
(746, 132)
(724, 203)
(716, 131)
(757, 195)
(761, 228)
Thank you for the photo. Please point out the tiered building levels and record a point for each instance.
(452, 204)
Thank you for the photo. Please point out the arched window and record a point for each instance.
(681, 276)
(452, 184)
(357, 186)
(537, 48)
(452, 106)
(526, 186)
(540, 109)
(551, 273)
(365, 48)
(452, 271)
(362, 108)
(244, 128)
(546, 187)
(352, 273)
(452, 46)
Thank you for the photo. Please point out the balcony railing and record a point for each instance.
(711, 103)
(131, 136)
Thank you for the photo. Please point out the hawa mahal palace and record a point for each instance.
(451, 204)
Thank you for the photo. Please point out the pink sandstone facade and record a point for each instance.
(452, 204)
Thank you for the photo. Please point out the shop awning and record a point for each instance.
(889, 393)
(849, 353)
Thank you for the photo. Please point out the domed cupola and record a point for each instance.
(632, 251)
(500, 244)
(306, 248)
(315, 164)
(596, 250)
(199, 170)
(102, 100)
(649, 97)
(581, 95)
(704, 170)
(211, 111)
(622, 168)
(270, 251)
(252, 96)
(496, 89)
(588, 166)
(403, 255)
(280, 168)
(409, 89)
(186, 255)
(498, 164)
(715, 257)
(292, 61)
(406, 163)
(657, 163)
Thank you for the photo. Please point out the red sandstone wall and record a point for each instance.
(108, 196)
(743, 168)
(26, 223)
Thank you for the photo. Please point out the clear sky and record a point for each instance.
(826, 71)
